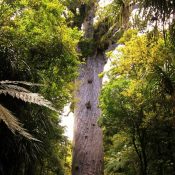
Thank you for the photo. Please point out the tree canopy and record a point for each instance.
(138, 105)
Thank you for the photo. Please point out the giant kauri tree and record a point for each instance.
(97, 38)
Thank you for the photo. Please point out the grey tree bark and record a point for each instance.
(88, 142)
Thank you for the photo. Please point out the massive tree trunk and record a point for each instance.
(88, 143)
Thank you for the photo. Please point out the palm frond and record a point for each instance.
(13, 124)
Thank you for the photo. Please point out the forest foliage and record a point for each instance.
(36, 46)
(138, 101)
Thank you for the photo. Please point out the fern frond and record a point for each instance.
(15, 87)
(29, 97)
(13, 124)
(20, 82)
(23, 94)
